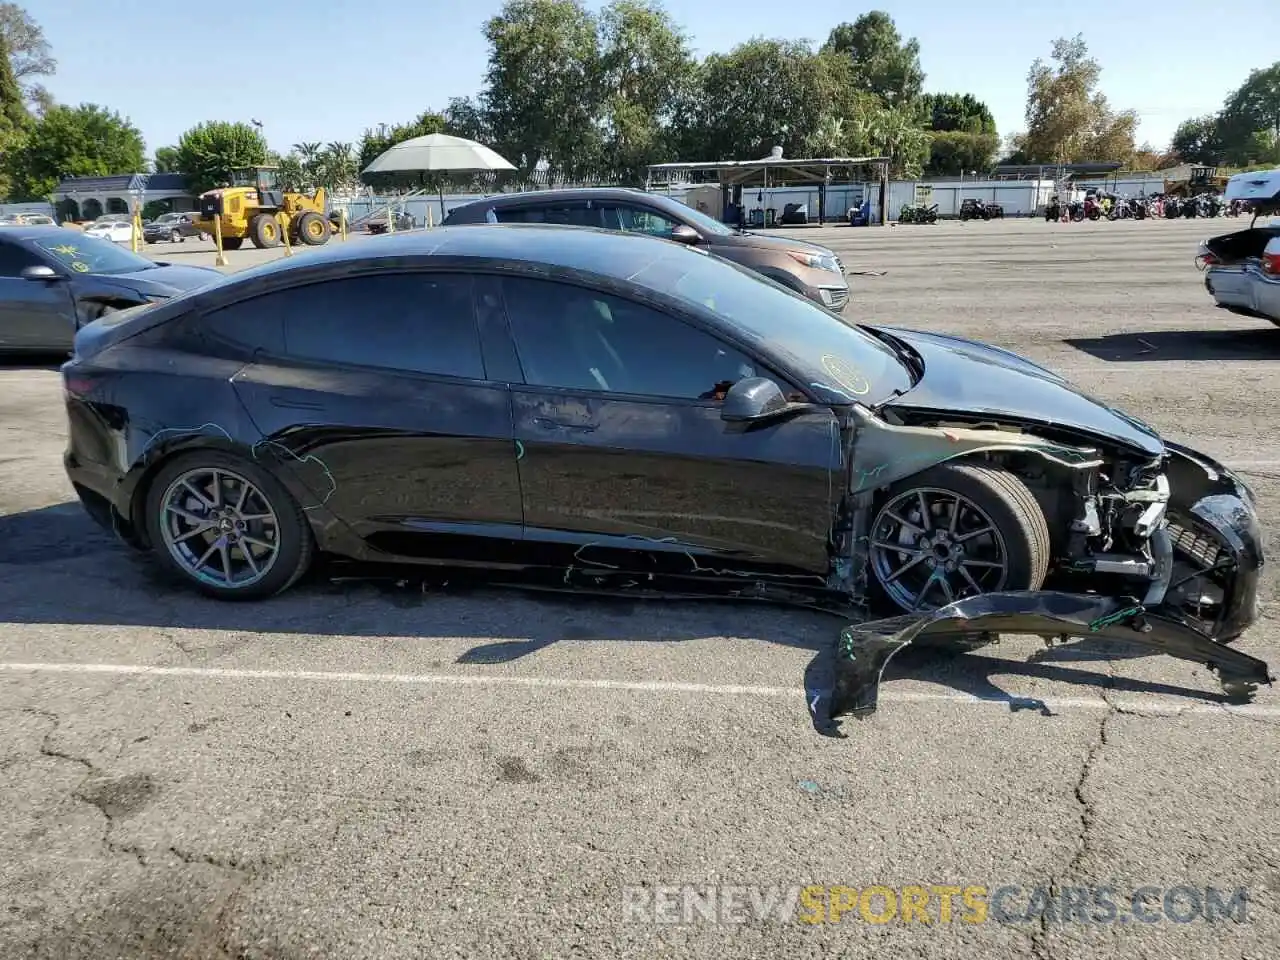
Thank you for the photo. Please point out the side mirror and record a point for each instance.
(755, 398)
(683, 233)
(40, 272)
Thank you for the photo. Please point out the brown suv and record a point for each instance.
(807, 268)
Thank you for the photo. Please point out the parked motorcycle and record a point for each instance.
(1092, 207)
(918, 214)
(1172, 208)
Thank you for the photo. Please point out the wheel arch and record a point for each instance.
(141, 478)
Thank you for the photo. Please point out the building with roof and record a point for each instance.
(87, 198)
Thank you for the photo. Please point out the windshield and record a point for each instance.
(848, 363)
(85, 254)
(705, 222)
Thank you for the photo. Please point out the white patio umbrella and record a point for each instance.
(438, 153)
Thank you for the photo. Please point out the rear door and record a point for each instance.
(34, 314)
(376, 387)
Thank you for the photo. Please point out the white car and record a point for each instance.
(117, 231)
(1242, 269)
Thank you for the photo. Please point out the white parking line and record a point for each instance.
(1139, 705)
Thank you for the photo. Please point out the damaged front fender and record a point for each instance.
(864, 649)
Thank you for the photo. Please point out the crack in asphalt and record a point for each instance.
(1087, 815)
(103, 803)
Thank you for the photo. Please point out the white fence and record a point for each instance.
(1019, 198)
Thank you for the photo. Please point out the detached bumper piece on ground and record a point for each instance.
(1226, 543)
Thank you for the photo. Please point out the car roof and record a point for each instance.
(569, 193)
(606, 253)
(41, 232)
(537, 197)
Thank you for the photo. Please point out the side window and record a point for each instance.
(250, 325)
(14, 259)
(637, 220)
(570, 214)
(577, 339)
(416, 322)
(510, 215)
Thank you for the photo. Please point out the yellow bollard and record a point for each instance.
(430, 219)
(221, 259)
(282, 218)
(391, 220)
(135, 225)
(342, 223)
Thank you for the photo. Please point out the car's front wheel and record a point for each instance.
(227, 526)
(955, 531)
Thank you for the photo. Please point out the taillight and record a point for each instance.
(77, 386)
(1271, 264)
(1206, 259)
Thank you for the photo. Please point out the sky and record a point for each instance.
(324, 70)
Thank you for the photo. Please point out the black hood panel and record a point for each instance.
(962, 376)
(165, 281)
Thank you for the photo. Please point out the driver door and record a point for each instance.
(34, 314)
(621, 445)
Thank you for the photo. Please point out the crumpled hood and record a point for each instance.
(164, 281)
(962, 376)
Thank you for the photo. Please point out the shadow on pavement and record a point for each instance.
(78, 573)
(1249, 343)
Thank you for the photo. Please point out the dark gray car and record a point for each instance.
(805, 267)
(54, 280)
(173, 227)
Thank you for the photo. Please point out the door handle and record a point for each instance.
(548, 424)
(290, 404)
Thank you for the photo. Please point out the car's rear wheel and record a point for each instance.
(227, 526)
(954, 531)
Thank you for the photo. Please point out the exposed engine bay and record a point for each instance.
(1163, 551)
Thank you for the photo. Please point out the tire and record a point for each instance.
(232, 243)
(295, 545)
(175, 236)
(1019, 540)
(264, 231)
(313, 229)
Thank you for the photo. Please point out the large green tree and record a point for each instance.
(13, 118)
(209, 151)
(964, 137)
(957, 113)
(83, 141)
(28, 53)
(543, 88)
(884, 64)
(647, 74)
(1245, 132)
(1198, 140)
(166, 160)
(1068, 119)
(766, 93)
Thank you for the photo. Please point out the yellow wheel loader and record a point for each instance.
(1201, 180)
(250, 209)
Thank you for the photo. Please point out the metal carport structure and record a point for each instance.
(733, 175)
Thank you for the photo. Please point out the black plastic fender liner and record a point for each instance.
(865, 649)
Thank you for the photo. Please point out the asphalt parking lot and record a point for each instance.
(352, 772)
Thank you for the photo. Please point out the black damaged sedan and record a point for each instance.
(625, 414)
